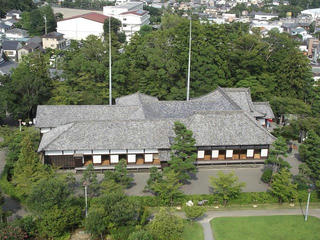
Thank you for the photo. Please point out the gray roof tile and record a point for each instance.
(209, 128)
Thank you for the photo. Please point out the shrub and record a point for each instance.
(10, 232)
(267, 175)
(166, 226)
(141, 235)
(194, 212)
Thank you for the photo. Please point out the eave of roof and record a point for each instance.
(96, 17)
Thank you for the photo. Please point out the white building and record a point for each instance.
(16, 34)
(81, 26)
(314, 13)
(131, 15)
(264, 16)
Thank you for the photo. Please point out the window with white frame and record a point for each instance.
(131, 158)
(200, 153)
(215, 154)
(250, 152)
(148, 158)
(114, 158)
(96, 159)
(229, 153)
(264, 152)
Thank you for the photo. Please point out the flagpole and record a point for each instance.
(189, 62)
(110, 79)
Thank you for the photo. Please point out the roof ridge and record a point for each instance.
(259, 126)
(58, 135)
(228, 97)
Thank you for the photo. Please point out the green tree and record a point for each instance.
(141, 235)
(110, 211)
(34, 22)
(57, 211)
(279, 148)
(183, 152)
(57, 221)
(168, 189)
(282, 186)
(226, 186)
(310, 153)
(166, 226)
(28, 170)
(30, 86)
(119, 175)
(89, 178)
(155, 176)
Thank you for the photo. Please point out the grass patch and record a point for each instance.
(192, 231)
(266, 228)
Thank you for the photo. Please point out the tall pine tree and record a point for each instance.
(183, 152)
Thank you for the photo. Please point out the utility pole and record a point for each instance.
(45, 24)
(110, 80)
(189, 62)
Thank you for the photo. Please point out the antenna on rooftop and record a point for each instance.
(189, 63)
(110, 80)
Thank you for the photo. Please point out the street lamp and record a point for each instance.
(20, 124)
(85, 184)
(308, 201)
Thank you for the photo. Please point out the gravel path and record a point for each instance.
(207, 231)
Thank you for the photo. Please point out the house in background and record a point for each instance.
(81, 26)
(13, 14)
(54, 40)
(28, 48)
(16, 34)
(10, 49)
(264, 16)
(226, 125)
(4, 27)
(131, 15)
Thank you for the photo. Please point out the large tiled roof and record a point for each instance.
(49, 116)
(96, 17)
(137, 121)
(217, 128)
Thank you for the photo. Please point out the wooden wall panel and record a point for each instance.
(222, 154)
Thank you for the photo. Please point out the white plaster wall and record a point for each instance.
(79, 28)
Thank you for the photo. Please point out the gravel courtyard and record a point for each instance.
(200, 184)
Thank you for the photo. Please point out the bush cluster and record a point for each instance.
(244, 198)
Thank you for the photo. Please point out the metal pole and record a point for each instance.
(20, 124)
(86, 198)
(110, 80)
(189, 62)
(307, 208)
(45, 24)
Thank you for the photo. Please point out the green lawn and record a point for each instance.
(193, 231)
(266, 228)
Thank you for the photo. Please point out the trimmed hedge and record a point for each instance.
(244, 198)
